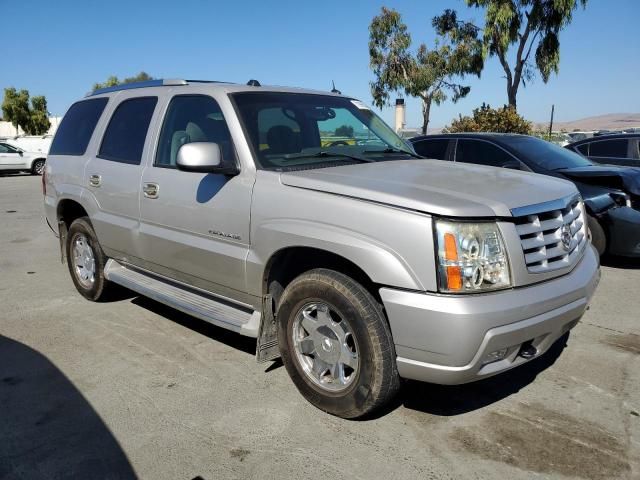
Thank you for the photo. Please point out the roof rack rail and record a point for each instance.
(147, 83)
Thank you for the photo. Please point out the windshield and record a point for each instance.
(545, 154)
(295, 130)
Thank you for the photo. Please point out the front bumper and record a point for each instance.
(445, 339)
(623, 224)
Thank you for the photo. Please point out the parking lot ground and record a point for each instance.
(131, 388)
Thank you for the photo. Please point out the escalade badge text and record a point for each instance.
(225, 235)
(565, 237)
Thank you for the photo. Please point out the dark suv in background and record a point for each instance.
(611, 193)
(622, 149)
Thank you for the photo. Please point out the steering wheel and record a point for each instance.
(337, 143)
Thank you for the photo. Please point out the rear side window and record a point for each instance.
(124, 138)
(481, 153)
(436, 148)
(77, 126)
(609, 149)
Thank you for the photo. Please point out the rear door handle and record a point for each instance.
(151, 190)
(95, 180)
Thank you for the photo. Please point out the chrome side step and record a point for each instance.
(203, 307)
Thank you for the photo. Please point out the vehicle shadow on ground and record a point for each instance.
(625, 263)
(49, 430)
(232, 339)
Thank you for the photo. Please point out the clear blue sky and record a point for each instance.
(60, 49)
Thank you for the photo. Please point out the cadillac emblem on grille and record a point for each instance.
(565, 237)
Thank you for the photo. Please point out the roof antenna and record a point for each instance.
(253, 83)
(334, 89)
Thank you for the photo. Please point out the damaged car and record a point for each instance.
(611, 193)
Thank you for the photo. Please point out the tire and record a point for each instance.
(597, 235)
(37, 167)
(87, 269)
(328, 321)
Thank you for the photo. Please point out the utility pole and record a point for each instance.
(551, 122)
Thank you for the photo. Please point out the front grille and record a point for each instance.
(541, 235)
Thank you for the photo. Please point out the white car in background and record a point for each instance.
(15, 159)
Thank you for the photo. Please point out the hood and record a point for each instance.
(610, 176)
(434, 186)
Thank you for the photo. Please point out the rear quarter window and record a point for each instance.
(77, 126)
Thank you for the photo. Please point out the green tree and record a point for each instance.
(39, 123)
(344, 131)
(32, 116)
(487, 119)
(15, 107)
(112, 81)
(425, 73)
(526, 24)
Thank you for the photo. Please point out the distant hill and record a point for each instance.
(611, 121)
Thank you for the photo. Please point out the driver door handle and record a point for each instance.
(150, 190)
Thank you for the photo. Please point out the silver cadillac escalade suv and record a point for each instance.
(299, 218)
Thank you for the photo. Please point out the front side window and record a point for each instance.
(436, 148)
(544, 155)
(124, 138)
(482, 153)
(77, 126)
(609, 149)
(5, 148)
(192, 118)
(296, 130)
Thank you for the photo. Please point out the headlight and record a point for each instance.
(471, 257)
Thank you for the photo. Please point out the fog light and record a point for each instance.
(495, 356)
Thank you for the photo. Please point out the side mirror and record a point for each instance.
(513, 165)
(204, 157)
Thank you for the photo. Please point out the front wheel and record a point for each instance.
(38, 167)
(596, 235)
(336, 344)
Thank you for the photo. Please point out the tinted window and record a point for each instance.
(76, 128)
(609, 148)
(124, 138)
(583, 149)
(432, 148)
(4, 148)
(545, 155)
(482, 153)
(192, 118)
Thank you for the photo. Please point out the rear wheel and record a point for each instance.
(86, 260)
(596, 235)
(38, 167)
(336, 344)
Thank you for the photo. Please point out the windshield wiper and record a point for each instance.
(394, 150)
(324, 154)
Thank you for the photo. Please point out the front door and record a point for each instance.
(195, 226)
(10, 158)
(112, 177)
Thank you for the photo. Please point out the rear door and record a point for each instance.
(195, 226)
(112, 174)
